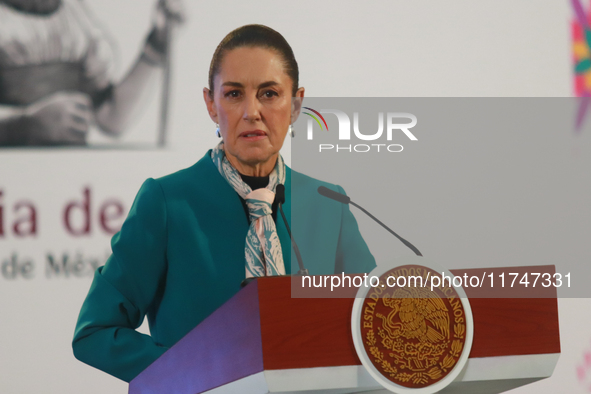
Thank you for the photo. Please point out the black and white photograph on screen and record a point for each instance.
(57, 66)
(100, 97)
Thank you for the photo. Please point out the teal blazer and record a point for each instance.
(180, 255)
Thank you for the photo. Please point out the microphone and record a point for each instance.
(280, 195)
(326, 192)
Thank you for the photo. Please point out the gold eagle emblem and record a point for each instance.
(417, 313)
(414, 335)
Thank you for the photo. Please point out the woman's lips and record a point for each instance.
(253, 135)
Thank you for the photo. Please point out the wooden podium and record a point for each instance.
(264, 341)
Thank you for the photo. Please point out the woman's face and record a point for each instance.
(252, 103)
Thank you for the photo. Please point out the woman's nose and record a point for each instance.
(251, 109)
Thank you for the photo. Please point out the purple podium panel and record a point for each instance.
(214, 353)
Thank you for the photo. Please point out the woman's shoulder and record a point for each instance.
(306, 182)
(197, 174)
(198, 188)
(199, 183)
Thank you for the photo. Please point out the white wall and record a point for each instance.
(378, 48)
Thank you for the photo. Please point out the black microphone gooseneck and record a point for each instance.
(280, 194)
(326, 192)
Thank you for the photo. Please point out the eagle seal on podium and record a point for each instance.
(412, 335)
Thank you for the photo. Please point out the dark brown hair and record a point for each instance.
(255, 36)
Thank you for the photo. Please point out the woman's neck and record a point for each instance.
(258, 170)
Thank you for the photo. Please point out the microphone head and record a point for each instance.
(280, 193)
(326, 192)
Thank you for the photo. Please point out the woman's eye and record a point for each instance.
(232, 94)
(270, 94)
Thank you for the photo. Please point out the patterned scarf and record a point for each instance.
(262, 249)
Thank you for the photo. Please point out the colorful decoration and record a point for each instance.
(581, 33)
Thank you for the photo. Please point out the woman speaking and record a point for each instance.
(192, 237)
